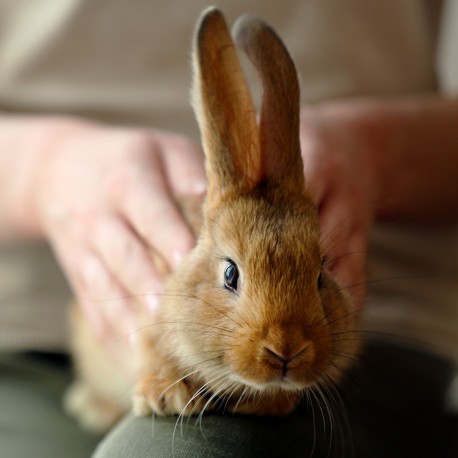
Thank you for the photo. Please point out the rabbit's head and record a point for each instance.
(253, 306)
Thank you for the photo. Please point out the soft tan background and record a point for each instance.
(128, 62)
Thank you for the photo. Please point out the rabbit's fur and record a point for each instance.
(287, 325)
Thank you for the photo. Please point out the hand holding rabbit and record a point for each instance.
(340, 172)
(123, 214)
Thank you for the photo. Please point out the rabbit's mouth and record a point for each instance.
(284, 383)
(287, 356)
(288, 381)
(276, 397)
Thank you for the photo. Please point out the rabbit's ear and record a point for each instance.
(224, 110)
(279, 121)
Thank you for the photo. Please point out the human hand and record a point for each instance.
(340, 173)
(105, 199)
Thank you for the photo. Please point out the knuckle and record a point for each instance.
(126, 258)
(120, 179)
(137, 149)
(135, 141)
(332, 165)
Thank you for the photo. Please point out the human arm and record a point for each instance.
(385, 159)
(104, 199)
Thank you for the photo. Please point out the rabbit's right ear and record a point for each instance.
(224, 111)
(279, 120)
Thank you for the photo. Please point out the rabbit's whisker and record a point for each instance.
(195, 323)
(229, 395)
(177, 381)
(311, 396)
(341, 408)
(363, 212)
(368, 333)
(348, 356)
(209, 401)
(316, 393)
(192, 355)
(350, 253)
(383, 280)
(347, 375)
(242, 395)
(193, 296)
(195, 395)
(332, 418)
(341, 317)
(238, 315)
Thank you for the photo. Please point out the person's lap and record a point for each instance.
(393, 408)
(32, 421)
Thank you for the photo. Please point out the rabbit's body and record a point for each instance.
(252, 317)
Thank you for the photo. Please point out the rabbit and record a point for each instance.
(252, 318)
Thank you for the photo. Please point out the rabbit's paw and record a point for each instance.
(91, 412)
(165, 396)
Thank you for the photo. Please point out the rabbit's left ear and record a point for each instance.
(224, 111)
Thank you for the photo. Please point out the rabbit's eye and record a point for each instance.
(231, 276)
(320, 281)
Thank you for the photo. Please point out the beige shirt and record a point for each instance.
(128, 62)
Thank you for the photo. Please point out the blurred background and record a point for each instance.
(127, 63)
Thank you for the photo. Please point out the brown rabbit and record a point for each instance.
(251, 319)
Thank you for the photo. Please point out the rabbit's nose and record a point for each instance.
(282, 359)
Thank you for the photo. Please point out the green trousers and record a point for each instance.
(390, 405)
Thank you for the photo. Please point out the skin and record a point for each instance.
(387, 160)
(96, 208)
(363, 161)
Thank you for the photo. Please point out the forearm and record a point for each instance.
(414, 147)
(419, 163)
(24, 146)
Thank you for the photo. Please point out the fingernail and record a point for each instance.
(177, 257)
(130, 328)
(199, 188)
(152, 302)
(132, 338)
(97, 323)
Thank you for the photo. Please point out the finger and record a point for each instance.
(344, 242)
(103, 299)
(350, 269)
(149, 208)
(70, 252)
(127, 258)
(183, 164)
(316, 179)
(336, 225)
